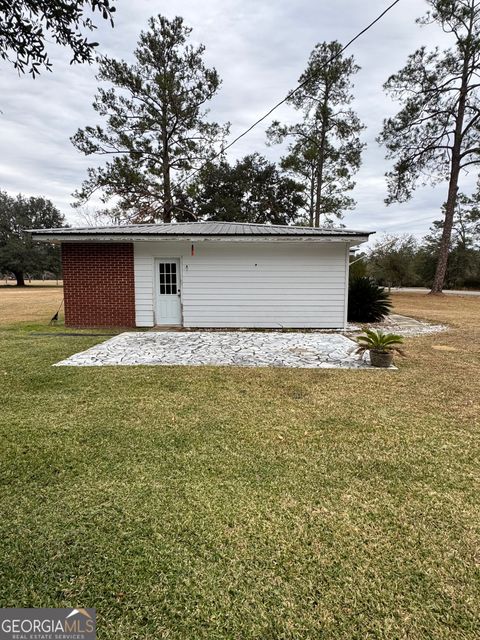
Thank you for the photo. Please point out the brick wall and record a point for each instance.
(98, 281)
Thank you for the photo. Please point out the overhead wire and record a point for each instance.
(288, 96)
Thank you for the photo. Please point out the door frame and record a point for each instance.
(156, 281)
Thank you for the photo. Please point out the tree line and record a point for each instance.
(404, 261)
(165, 158)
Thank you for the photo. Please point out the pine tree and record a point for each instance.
(156, 129)
(436, 134)
(326, 149)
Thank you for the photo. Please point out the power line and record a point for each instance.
(409, 222)
(289, 95)
(380, 246)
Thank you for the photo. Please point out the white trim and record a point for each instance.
(350, 240)
(347, 273)
(156, 290)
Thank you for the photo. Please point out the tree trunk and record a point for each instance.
(321, 159)
(167, 185)
(312, 198)
(444, 248)
(167, 195)
(455, 166)
(19, 278)
(319, 177)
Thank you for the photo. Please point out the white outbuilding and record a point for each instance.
(205, 274)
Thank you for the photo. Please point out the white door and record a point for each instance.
(168, 306)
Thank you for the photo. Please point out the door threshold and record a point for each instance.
(166, 327)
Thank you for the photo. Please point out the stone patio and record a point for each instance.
(311, 349)
(406, 326)
(232, 348)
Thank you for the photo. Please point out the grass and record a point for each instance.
(218, 503)
(28, 304)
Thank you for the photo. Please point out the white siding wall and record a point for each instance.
(233, 284)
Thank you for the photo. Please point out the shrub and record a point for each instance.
(358, 269)
(372, 340)
(367, 302)
(472, 283)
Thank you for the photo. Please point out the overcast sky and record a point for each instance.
(259, 47)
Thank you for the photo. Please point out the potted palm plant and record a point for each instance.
(382, 347)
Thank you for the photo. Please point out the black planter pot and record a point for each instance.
(383, 359)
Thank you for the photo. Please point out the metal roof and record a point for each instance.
(200, 229)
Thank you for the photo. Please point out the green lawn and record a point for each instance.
(225, 503)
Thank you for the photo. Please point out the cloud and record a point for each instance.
(260, 48)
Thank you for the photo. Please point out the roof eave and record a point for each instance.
(100, 237)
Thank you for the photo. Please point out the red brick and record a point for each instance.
(98, 280)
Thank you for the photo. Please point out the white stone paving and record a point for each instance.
(408, 327)
(234, 348)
